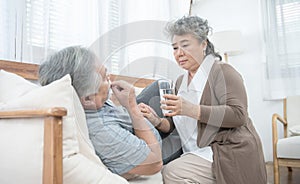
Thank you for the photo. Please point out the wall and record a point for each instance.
(245, 16)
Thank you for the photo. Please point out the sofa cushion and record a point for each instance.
(57, 94)
(21, 152)
(153, 179)
(295, 130)
(78, 152)
(289, 147)
(9, 82)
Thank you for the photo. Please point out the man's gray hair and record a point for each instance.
(77, 61)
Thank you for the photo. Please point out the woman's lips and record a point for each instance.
(182, 62)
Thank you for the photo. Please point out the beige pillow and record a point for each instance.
(9, 82)
(295, 130)
(78, 152)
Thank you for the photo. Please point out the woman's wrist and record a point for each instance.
(197, 112)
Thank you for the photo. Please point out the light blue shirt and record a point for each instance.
(112, 135)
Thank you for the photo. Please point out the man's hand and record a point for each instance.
(124, 92)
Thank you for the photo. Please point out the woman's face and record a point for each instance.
(188, 51)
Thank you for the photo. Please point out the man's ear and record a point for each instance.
(88, 103)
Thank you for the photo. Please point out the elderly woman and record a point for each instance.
(220, 143)
(123, 139)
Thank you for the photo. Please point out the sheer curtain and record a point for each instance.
(8, 29)
(130, 32)
(32, 29)
(136, 45)
(282, 37)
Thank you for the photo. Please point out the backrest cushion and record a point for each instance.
(17, 93)
(293, 116)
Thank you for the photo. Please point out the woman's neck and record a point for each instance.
(191, 75)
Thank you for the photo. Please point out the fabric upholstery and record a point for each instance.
(80, 163)
(295, 130)
(289, 147)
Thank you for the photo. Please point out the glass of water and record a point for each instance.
(165, 87)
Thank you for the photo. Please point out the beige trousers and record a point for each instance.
(189, 168)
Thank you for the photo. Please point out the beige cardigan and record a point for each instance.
(225, 126)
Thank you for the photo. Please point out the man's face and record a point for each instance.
(99, 98)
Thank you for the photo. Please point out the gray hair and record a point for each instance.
(77, 61)
(195, 26)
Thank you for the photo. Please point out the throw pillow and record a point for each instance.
(78, 152)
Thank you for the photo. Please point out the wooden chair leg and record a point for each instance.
(276, 171)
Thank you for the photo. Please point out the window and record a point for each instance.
(8, 22)
(282, 36)
(34, 28)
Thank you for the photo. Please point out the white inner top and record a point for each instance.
(186, 126)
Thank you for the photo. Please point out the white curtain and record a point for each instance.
(130, 32)
(32, 29)
(8, 30)
(133, 43)
(282, 37)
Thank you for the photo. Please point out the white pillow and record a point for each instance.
(60, 93)
(20, 139)
(138, 90)
(22, 94)
(295, 130)
(9, 82)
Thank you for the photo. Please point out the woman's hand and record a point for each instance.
(124, 92)
(150, 114)
(177, 105)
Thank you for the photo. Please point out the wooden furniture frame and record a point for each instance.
(52, 153)
(281, 161)
(30, 71)
(52, 162)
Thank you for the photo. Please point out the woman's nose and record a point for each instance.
(179, 51)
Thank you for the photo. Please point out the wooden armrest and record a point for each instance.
(52, 162)
(55, 111)
(137, 82)
(276, 117)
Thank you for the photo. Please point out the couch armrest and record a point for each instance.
(52, 159)
(276, 117)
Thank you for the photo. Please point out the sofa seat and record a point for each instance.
(154, 179)
(289, 147)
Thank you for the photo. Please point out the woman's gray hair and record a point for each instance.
(195, 26)
(77, 61)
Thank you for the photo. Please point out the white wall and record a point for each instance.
(245, 15)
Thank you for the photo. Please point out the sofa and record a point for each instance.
(36, 151)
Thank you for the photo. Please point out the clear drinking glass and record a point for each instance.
(165, 87)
